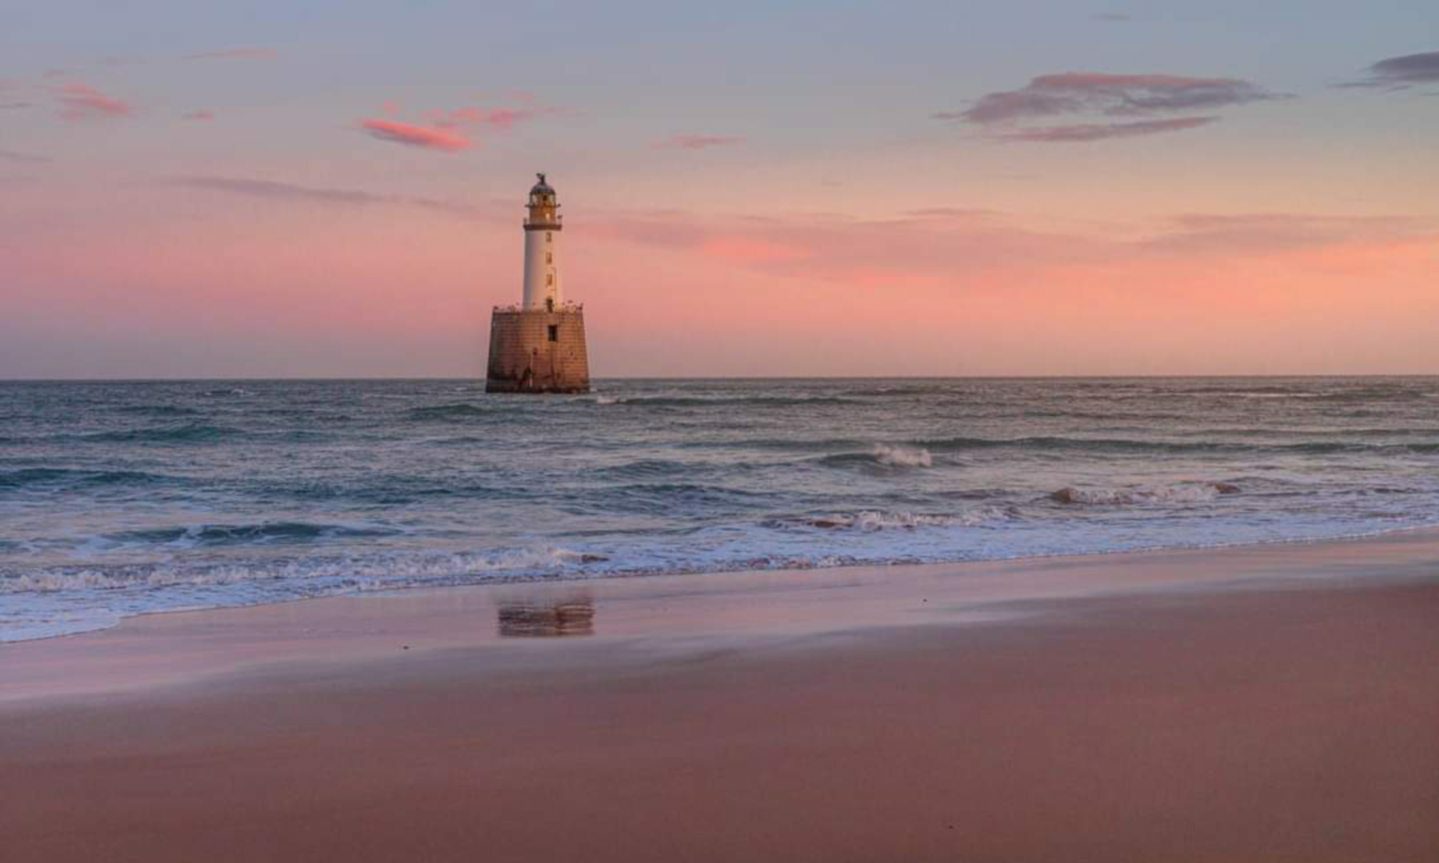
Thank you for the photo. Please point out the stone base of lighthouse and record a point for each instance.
(538, 351)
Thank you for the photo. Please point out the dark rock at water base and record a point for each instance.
(1226, 488)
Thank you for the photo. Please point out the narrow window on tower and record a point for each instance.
(549, 278)
(550, 306)
(554, 332)
(548, 236)
(549, 257)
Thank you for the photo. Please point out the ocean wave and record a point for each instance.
(653, 468)
(869, 521)
(191, 536)
(68, 478)
(1134, 445)
(901, 456)
(1177, 493)
(1376, 392)
(314, 576)
(664, 497)
(186, 433)
(453, 411)
(722, 401)
(881, 455)
(157, 410)
(1058, 443)
(899, 390)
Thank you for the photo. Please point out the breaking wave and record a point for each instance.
(882, 455)
(873, 520)
(312, 576)
(1177, 493)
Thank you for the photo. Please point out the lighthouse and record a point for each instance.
(538, 346)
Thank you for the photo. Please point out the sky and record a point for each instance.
(335, 189)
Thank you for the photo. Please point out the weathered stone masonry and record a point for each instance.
(527, 356)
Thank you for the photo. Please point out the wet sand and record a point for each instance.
(1276, 703)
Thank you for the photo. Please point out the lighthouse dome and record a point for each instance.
(542, 189)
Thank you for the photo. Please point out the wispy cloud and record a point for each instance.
(79, 101)
(1112, 95)
(933, 244)
(281, 191)
(426, 137)
(1112, 17)
(1399, 73)
(17, 156)
(698, 142)
(1271, 232)
(1106, 95)
(1080, 132)
(498, 119)
(249, 53)
(200, 114)
(451, 131)
(942, 244)
(15, 106)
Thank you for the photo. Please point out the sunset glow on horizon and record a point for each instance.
(1043, 189)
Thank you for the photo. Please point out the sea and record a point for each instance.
(125, 498)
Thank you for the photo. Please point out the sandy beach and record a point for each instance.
(1260, 703)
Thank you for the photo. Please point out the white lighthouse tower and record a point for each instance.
(542, 249)
(539, 345)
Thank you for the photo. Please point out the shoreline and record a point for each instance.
(568, 580)
(1275, 703)
(216, 641)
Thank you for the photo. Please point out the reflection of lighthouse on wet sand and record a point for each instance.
(539, 345)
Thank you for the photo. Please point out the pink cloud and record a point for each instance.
(79, 100)
(506, 118)
(427, 137)
(499, 119)
(698, 142)
(201, 114)
(236, 54)
(442, 130)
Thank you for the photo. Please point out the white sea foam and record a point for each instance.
(373, 572)
(874, 520)
(902, 456)
(1176, 493)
